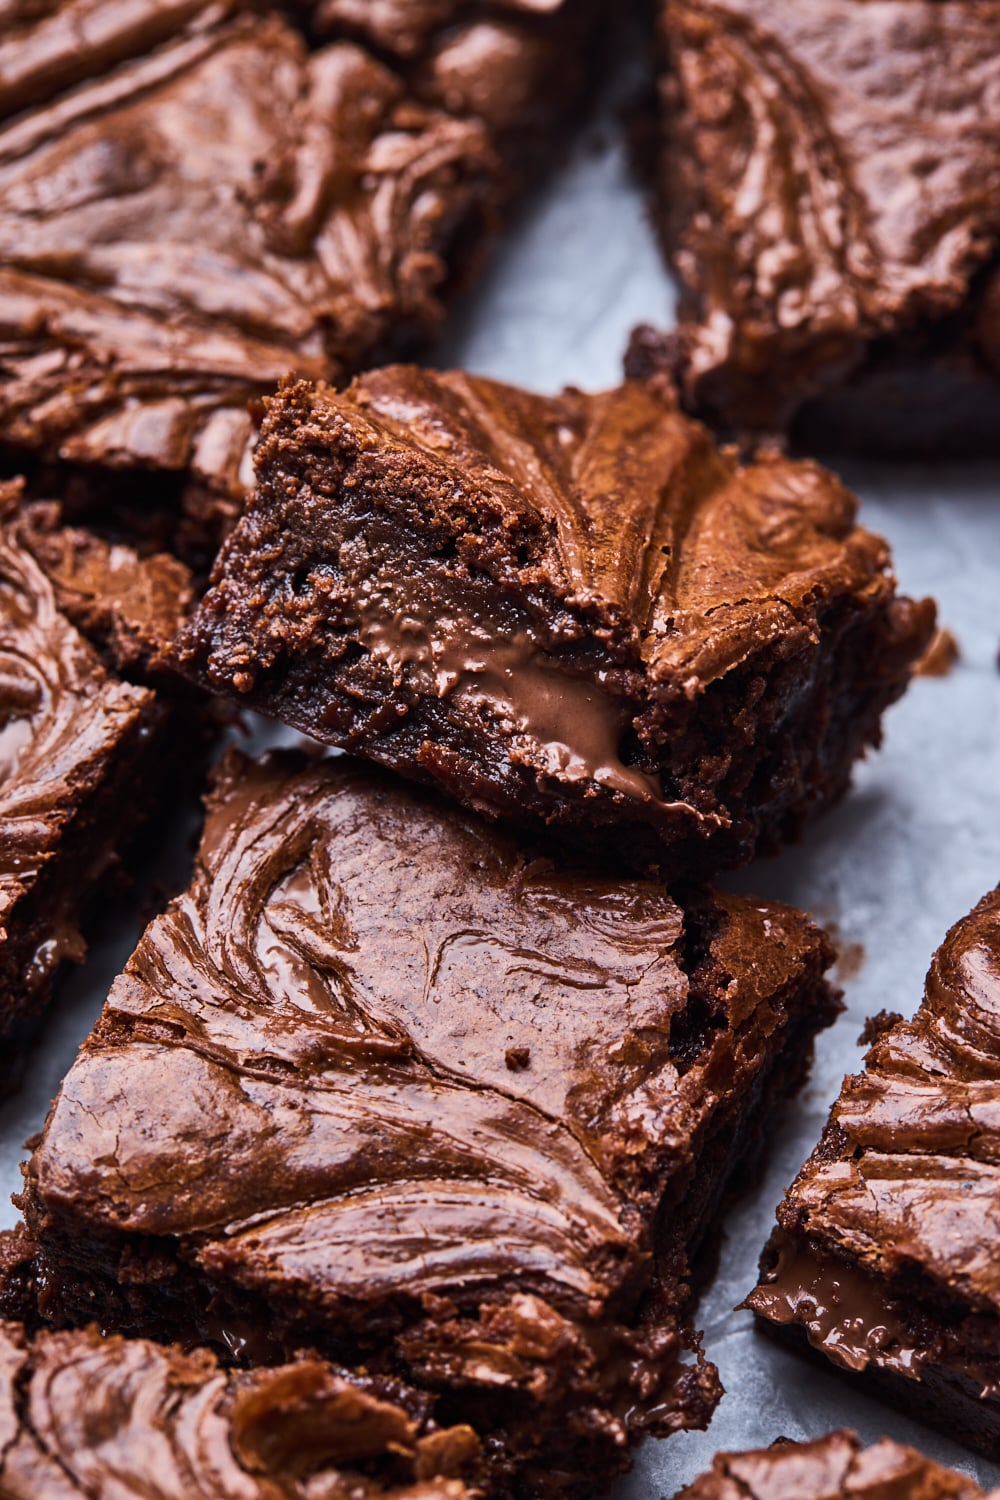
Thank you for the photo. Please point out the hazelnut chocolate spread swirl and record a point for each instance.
(386, 1084)
(885, 1256)
(71, 739)
(196, 198)
(572, 611)
(834, 1467)
(829, 187)
(82, 1415)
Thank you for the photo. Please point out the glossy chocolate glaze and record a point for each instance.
(85, 1415)
(567, 610)
(886, 1252)
(835, 1467)
(830, 184)
(383, 1082)
(197, 199)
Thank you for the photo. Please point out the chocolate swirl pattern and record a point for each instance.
(350, 1086)
(835, 1467)
(572, 611)
(207, 207)
(886, 1252)
(68, 735)
(831, 176)
(82, 1415)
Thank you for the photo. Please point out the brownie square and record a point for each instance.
(197, 200)
(828, 200)
(385, 1084)
(91, 1416)
(885, 1257)
(82, 754)
(572, 611)
(835, 1467)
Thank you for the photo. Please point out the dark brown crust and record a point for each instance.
(570, 612)
(828, 201)
(261, 1179)
(885, 1254)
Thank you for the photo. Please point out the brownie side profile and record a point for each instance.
(386, 1085)
(835, 1467)
(82, 1415)
(885, 1257)
(828, 200)
(567, 611)
(81, 753)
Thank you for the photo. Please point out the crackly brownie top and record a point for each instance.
(837, 169)
(613, 514)
(908, 1172)
(380, 1052)
(835, 1467)
(85, 1415)
(61, 719)
(205, 205)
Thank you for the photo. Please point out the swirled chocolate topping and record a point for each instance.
(195, 201)
(571, 611)
(886, 1252)
(835, 1467)
(384, 1083)
(71, 740)
(85, 1415)
(830, 183)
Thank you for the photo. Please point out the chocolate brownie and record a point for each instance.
(571, 611)
(831, 205)
(81, 753)
(886, 1254)
(82, 1415)
(835, 1467)
(385, 1084)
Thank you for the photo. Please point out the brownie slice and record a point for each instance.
(829, 192)
(82, 755)
(385, 1084)
(194, 201)
(885, 1258)
(835, 1467)
(91, 1416)
(570, 611)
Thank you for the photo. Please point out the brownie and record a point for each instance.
(828, 200)
(835, 1467)
(82, 755)
(386, 1084)
(569, 611)
(885, 1257)
(195, 199)
(102, 1417)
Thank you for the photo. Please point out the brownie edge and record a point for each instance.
(885, 1254)
(572, 613)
